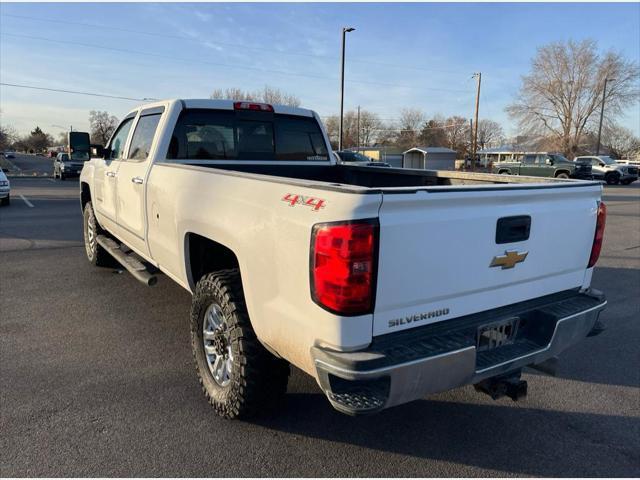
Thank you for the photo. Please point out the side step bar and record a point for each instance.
(134, 266)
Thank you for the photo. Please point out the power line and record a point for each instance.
(235, 45)
(76, 92)
(200, 61)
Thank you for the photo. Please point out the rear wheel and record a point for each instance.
(239, 377)
(625, 182)
(562, 175)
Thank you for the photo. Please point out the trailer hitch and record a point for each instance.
(510, 385)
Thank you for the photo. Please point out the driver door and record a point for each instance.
(106, 170)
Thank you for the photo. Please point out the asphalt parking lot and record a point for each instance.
(96, 379)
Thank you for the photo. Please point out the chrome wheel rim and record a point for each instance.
(91, 237)
(217, 347)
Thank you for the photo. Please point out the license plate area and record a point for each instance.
(497, 334)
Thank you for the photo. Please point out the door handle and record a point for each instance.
(110, 174)
(137, 180)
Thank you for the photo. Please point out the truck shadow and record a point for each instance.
(502, 436)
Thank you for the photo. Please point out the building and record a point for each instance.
(390, 155)
(432, 158)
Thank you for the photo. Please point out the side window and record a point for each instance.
(542, 159)
(595, 162)
(120, 138)
(529, 159)
(143, 137)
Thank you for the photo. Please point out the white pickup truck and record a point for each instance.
(385, 284)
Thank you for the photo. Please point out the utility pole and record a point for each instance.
(604, 96)
(358, 127)
(344, 34)
(477, 76)
(470, 139)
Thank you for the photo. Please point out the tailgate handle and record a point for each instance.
(513, 229)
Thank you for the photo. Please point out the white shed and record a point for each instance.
(431, 158)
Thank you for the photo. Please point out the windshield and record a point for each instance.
(558, 158)
(347, 156)
(608, 160)
(246, 135)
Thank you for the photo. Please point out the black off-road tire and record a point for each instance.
(625, 182)
(96, 255)
(258, 380)
(612, 179)
(6, 201)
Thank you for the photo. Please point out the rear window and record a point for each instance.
(246, 135)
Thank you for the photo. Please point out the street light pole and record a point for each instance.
(478, 76)
(344, 34)
(604, 96)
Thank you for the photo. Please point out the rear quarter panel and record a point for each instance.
(271, 240)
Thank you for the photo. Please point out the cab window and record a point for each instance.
(143, 137)
(120, 138)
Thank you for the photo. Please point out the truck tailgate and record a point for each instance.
(437, 247)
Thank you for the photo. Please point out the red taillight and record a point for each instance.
(599, 236)
(260, 107)
(343, 266)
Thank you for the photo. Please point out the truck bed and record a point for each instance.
(357, 179)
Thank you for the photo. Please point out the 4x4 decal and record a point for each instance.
(294, 199)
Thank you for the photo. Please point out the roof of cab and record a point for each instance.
(223, 105)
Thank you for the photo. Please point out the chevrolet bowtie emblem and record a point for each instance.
(509, 259)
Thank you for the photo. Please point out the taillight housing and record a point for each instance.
(344, 257)
(259, 107)
(599, 235)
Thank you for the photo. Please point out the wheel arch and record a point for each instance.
(204, 255)
(85, 194)
(561, 171)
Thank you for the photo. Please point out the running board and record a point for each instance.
(134, 266)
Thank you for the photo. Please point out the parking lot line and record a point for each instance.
(24, 199)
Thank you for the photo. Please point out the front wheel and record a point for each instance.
(97, 255)
(239, 377)
(612, 179)
(6, 201)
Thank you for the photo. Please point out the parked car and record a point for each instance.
(5, 188)
(354, 158)
(9, 154)
(544, 165)
(65, 167)
(359, 277)
(607, 169)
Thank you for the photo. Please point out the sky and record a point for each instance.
(400, 55)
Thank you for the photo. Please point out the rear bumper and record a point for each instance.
(405, 366)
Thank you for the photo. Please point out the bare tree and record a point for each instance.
(620, 141)
(370, 125)
(8, 136)
(563, 92)
(489, 132)
(268, 94)
(102, 126)
(411, 119)
(456, 130)
(433, 133)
